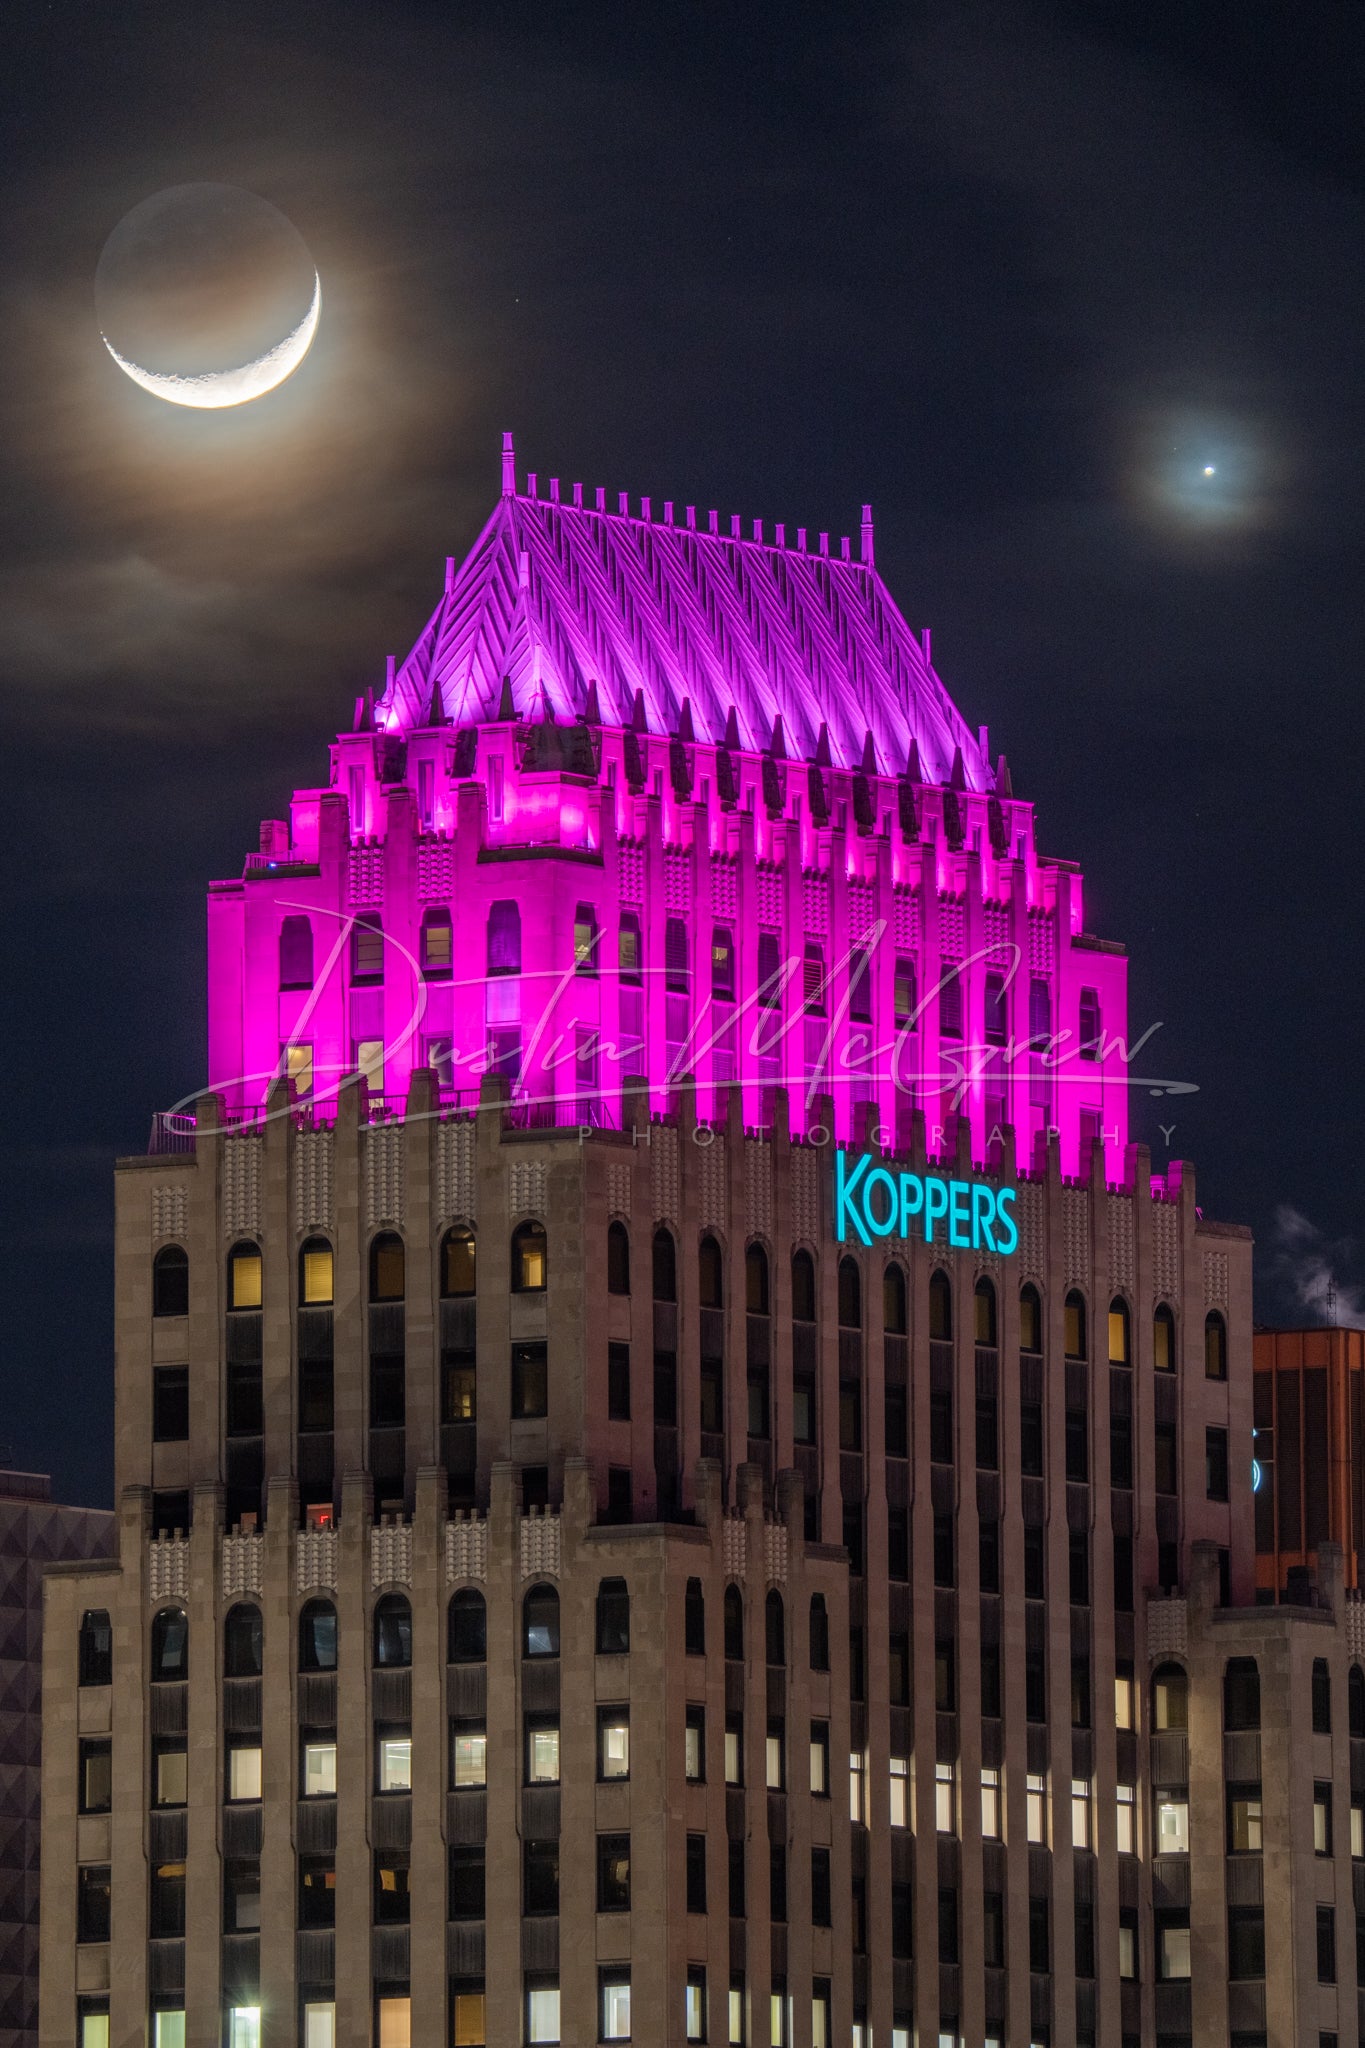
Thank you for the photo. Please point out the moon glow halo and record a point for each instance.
(214, 389)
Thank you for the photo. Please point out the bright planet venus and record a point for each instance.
(207, 296)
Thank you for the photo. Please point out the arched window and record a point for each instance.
(457, 1262)
(711, 1274)
(756, 1280)
(242, 1641)
(618, 1259)
(504, 938)
(467, 1627)
(1163, 1340)
(318, 1636)
(388, 1267)
(734, 1623)
(894, 1317)
(1215, 1346)
(96, 1648)
(1120, 1349)
(1030, 1320)
(1355, 1700)
(983, 1311)
(367, 947)
(803, 1287)
(1170, 1698)
(940, 1308)
(1322, 1697)
(694, 1619)
(665, 1266)
(529, 1258)
(316, 1273)
(170, 1644)
(1241, 1694)
(296, 953)
(392, 1633)
(540, 1622)
(438, 947)
(244, 1276)
(171, 1281)
(1074, 1319)
(819, 1633)
(850, 1295)
(774, 1628)
(613, 1618)
(585, 939)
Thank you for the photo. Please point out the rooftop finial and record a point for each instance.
(509, 467)
(868, 555)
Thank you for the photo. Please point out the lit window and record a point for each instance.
(244, 2028)
(819, 1760)
(1127, 1952)
(437, 948)
(1035, 1807)
(990, 1803)
(244, 1277)
(244, 1773)
(1080, 1813)
(1358, 1831)
(395, 2023)
(945, 1802)
(298, 1070)
(172, 1777)
(542, 2014)
(774, 1759)
(169, 2030)
(616, 2009)
(95, 2030)
(1126, 1809)
(528, 1258)
(1172, 1826)
(777, 2020)
(736, 2016)
(319, 1770)
(395, 1763)
(1244, 1819)
(695, 2006)
(1322, 1820)
(320, 2025)
(613, 1749)
(1173, 1952)
(900, 1792)
(694, 1745)
(315, 1275)
(542, 1756)
(1123, 1702)
(470, 2026)
(734, 1756)
(471, 1754)
(857, 1787)
(585, 953)
(368, 1061)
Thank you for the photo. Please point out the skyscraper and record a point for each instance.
(662, 1424)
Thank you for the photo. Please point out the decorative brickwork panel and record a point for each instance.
(952, 928)
(724, 887)
(168, 1568)
(758, 1187)
(242, 1560)
(315, 1560)
(540, 1547)
(170, 1211)
(455, 1168)
(1029, 1210)
(734, 1546)
(1122, 1252)
(242, 1184)
(1166, 1251)
(663, 1173)
(1040, 946)
(769, 881)
(775, 1552)
(997, 932)
(365, 877)
(391, 1554)
(803, 1166)
(905, 920)
(526, 1194)
(385, 1172)
(466, 1548)
(631, 856)
(618, 1190)
(1355, 1625)
(1216, 1284)
(678, 895)
(862, 911)
(435, 869)
(1166, 1631)
(713, 1177)
(1076, 1232)
(314, 1199)
(815, 905)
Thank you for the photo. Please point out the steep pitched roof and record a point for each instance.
(557, 597)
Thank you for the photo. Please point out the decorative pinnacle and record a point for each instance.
(509, 468)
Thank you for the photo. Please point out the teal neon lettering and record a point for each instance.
(912, 1200)
(935, 1203)
(879, 1177)
(983, 1214)
(845, 1210)
(1004, 1216)
(958, 1192)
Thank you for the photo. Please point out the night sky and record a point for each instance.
(1018, 274)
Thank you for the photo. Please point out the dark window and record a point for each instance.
(1035, 1686)
(392, 1633)
(1030, 1320)
(1074, 1319)
(167, 1916)
(756, 1280)
(467, 1627)
(987, 1434)
(1080, 1692)
(1035, 1562)
(722, 963)
(457, 1263)
(618, 1382)
(1079, 1563)
(530, 1382)
(737, 1887)
(898, 1682)
(1166, 1464)
(540, 1622)
(696, 1873)
(367, 947)
(392, 1889)
(995, 1016)
(948, 1941)
(1077, 1446)
(734, 1624)
(504, 938)
(819, 1887)
(850, 1295)
(317, 1891)
(819, 1633)
(1039, 1942)
(171, 1281)
(171, 1512)
(1241, 1694)
(1123, 1574)
(466, 1881)
(296, 953)
(92, 1902)
(850, 1416)
(1216, 1464)
(945, 1677)
(665, 1266)
(990, 1680)
(860, 986)
(950, 1001)
(694, 1619)
(769, 971)
(388, 1387)
(618, 1259)
(629, 954)
(903, 992)
(988, 1556)
(388, 1263)
(619, 1496)
(318, 1636)
(774, 1628)
(540, 1877)
(1089, 1047)
(1120, 1450)
(1322, 1697)
(96, 1648)
(894, 1318)
(1327, 1945)
(898, 1543)
(1355, 1700)
(613, 1618)
(940, 1307)
(242, 1642)
(1163, 1340)
(945, 1573)
(853, 1536)
(613, 1873)
(992, 1929)
(941, 1427)
(530, 1258)
(1215, 1347)
(170, 1404)
(897, 1437)
(983, 1310)
(803, 1288)
(170, 1644)
(675, 956)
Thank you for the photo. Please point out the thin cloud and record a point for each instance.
(1308, 1267)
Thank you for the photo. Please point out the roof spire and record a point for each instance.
(732, 731)
(685, 729)
(592, 710)
(913, 771)
(509, 468)
(364, 713)
(822, 753)
(958, 778)
(1003, 785)
(436, 710)
(639, 721)
(507, 709)
(777, 745)
(869, 763)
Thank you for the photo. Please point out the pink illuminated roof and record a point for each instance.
(557, 597)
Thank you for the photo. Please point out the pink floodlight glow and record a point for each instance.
(651, 808)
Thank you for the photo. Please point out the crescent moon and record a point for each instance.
(218, 388)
